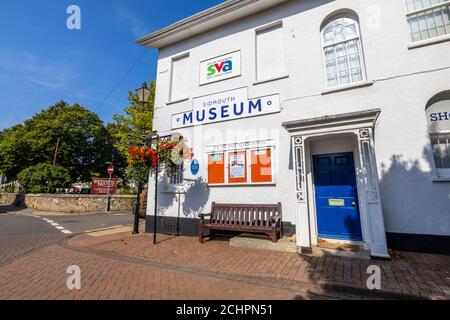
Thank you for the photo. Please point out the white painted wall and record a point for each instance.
(412, 202)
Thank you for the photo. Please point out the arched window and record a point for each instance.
(438, 115)
(342, 50)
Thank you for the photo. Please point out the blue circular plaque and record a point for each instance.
(195, 167)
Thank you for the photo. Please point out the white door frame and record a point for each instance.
(360, 124)
(309, 170)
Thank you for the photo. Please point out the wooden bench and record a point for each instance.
(247, 218)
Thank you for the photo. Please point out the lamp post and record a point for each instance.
(108, 197)
(143, 95)
(155, 220)
(156, 138)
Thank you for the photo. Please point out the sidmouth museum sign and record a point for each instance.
(230, 105)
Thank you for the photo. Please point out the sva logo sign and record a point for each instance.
(219, 68)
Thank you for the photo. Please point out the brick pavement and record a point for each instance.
(13, 246)
(408, 274)
(42, 275)
(121, 266)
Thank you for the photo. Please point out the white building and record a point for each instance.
(340, 110)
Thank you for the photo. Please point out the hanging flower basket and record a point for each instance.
(167, 155)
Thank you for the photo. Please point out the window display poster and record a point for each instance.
(237, 167)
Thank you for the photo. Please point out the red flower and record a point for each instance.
(167, 147)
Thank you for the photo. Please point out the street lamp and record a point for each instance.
(143, 95)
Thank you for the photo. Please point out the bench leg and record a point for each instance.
(273, 236)
(201, 235)
(281, 230)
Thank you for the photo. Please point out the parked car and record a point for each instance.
(78, 188)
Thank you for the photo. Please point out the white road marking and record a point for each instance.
(56, 225)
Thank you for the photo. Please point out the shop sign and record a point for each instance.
(438, 116)
(230, 105)
(100, 186)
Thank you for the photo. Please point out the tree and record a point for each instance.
(129, 128)
(43, 178)
(136, 121)
(84, 143)
(13, 151)
(118, 158)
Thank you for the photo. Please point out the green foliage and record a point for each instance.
(127, 191)
(85, 144)
(44, 178)
(137, 174)
(10, 189)
(136, 121)
(129, 128)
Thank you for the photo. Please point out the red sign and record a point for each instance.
(100, 186)
(110, 170)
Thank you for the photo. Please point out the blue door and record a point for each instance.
(336, 197)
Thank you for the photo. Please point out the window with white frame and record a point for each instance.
(428, 19)
(270, 62)
(441, 150)
(438, 116)
(180, 78)
(342, 50)
(177, 176)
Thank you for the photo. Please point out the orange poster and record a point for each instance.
(216, 168)
(261, 166)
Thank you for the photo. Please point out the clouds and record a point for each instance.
(133, 22)
(40, 72)
(30, 82)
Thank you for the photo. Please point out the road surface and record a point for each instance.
(22, 233)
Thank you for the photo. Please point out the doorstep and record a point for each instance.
(349, 250)
(252, 241)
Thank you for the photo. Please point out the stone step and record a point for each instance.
(262, 242)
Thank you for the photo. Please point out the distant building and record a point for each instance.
(340, 110)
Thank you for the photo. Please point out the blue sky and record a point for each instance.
(42, 62)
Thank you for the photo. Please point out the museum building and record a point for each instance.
(339, 110)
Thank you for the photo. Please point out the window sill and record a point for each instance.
(268, 184)
(429, 42)
(270, 80)
(349, 87)
(168, 103)
(440, 179)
